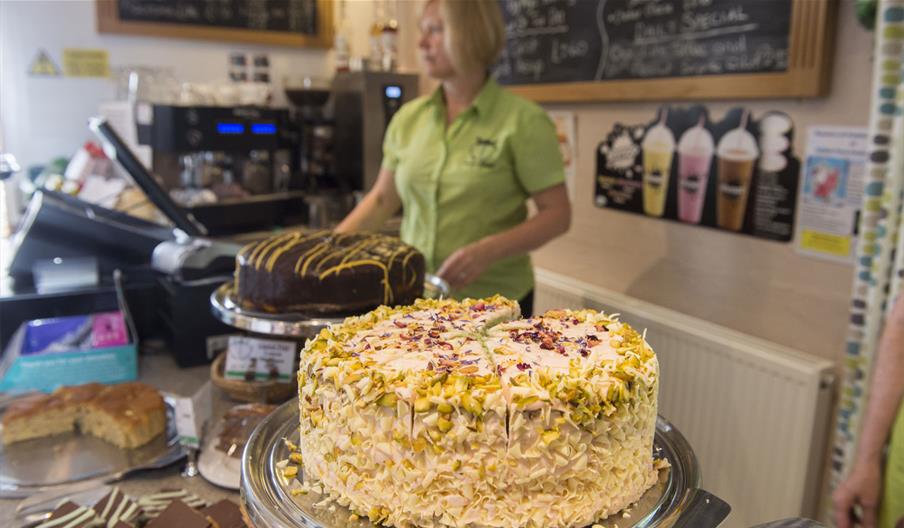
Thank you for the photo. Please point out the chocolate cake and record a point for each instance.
(238, 423)
(327, 273)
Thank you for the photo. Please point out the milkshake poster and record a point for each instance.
(737, 174)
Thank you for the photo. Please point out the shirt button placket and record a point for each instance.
(434, 222)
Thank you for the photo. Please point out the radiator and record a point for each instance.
(756, 413)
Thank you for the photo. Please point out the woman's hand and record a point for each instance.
(466, 264)
(862, 487)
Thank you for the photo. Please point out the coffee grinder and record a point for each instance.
(314, 156)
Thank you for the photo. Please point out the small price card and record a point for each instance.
(192, 414)
(250, 359)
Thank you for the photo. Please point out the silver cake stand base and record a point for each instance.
(292, 325)
(675, 500)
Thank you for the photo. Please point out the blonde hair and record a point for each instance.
(474, 34)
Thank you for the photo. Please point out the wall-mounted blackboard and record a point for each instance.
(666, 49)
(293, 16)
(281, 22)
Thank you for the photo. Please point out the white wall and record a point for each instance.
(45, 117)
(759, 287)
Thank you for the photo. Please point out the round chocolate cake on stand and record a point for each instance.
(296, 283)
(323, 273)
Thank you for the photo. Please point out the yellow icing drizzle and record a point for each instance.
(271, 262)
(405, 266)
(259, 254)
(309, 256)
(364, 252)
(387, 291)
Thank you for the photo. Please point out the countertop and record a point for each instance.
(158, 368)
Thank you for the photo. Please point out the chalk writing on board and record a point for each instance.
(598, 40)
(292, 16)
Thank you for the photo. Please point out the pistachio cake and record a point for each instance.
(323, 272)
(449, 413)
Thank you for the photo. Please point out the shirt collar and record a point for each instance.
(487, 96)
(485, 99)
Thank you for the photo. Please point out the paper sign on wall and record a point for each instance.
(250, 359)
(86, 63)
(832, 191)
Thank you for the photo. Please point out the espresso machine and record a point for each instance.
(314, 124)
(340, 126)
(363, 105)
(231, 167)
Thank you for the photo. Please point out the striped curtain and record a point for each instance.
(880, 251)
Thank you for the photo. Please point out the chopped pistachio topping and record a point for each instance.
(453, 413)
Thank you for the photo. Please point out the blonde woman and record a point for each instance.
(464, 161)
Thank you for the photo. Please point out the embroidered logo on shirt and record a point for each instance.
(482, 153)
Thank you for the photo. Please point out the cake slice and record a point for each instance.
(577, 385)
(127, 415)
(459, 428)
(35, 418)
(47, 415)
(237, 425)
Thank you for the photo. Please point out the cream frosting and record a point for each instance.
(459, 414)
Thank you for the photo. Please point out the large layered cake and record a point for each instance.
(326, 273)
(450, 413)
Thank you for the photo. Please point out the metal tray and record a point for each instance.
(222, 302)
(43, 464)
(673, 501)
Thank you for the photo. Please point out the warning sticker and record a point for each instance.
(43, 65)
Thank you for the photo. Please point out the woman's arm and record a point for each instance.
(553, 218)
(863, 485)
(377, 206)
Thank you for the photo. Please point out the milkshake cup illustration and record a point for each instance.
(737, 153)
(658, 148)
(695, 155)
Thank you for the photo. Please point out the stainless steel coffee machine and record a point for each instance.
(363, 104)
(231, 167)
(341, 124)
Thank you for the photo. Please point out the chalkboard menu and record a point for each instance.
(294, 16)
(604, 41)
(274, 22)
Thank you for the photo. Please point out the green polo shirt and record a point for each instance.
(461, 183)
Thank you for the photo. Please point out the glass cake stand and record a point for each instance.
(295, 325)
(675, 501)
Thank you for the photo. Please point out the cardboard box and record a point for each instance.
(47, 353)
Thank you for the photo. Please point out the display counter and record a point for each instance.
(158, 368)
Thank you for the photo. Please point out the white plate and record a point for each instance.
(217, 467)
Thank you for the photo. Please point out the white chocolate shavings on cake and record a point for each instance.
(450, 413)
